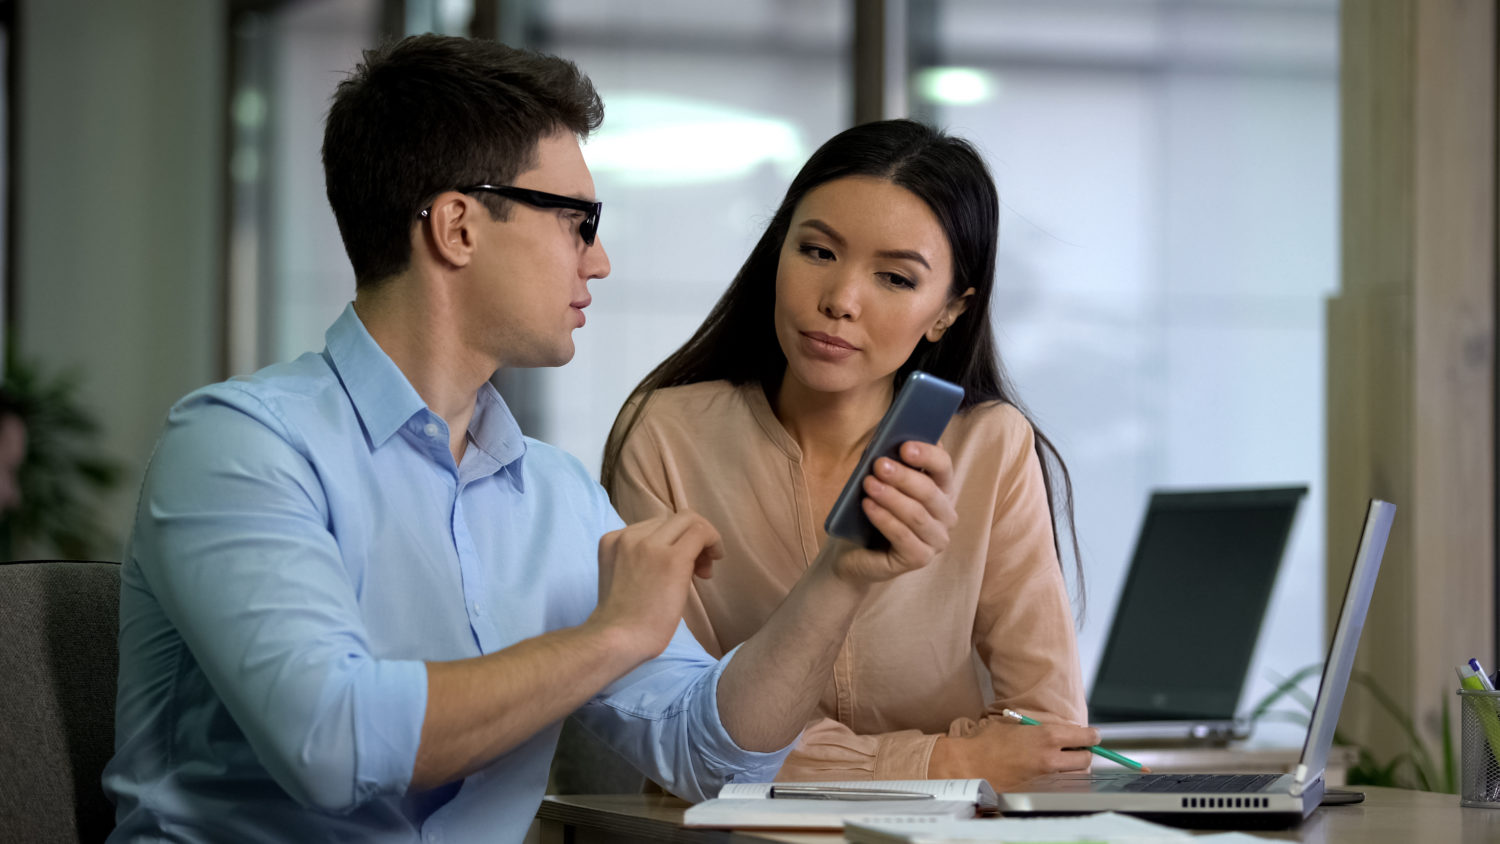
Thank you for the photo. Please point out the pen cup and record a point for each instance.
(1479, 779)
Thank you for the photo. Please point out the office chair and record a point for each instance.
(58, 662)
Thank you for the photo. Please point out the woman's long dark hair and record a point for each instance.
(737, 341)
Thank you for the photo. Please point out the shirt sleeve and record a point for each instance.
(1023, 630)
(232, 538)
(830, 751)
(664, 718)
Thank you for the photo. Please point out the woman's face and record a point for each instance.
(865, 272)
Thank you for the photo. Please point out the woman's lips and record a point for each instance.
(826, 346)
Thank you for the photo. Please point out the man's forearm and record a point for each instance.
(479, 708)
(770, 690)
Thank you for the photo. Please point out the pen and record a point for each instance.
(1472, 677)
(1096, 749)
(828, 792)
(1484, 679)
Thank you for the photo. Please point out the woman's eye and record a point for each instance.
(815, 252)
(898, 280)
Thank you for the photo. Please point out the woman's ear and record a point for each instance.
(951, 312)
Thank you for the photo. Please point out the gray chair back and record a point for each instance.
(59, 623)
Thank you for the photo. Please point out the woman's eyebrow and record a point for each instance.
(832, 233)
(907, 254)
(826, 229)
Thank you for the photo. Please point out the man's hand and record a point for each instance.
(645, 570)
(1008, 754)
(909, 501)
(480, 708)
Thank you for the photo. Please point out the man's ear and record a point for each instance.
(951, 312)
(447, 230)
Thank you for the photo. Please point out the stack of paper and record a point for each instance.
(1102, 828)
(755, 806)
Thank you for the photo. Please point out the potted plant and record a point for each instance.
(64, 472)
(1412, 768)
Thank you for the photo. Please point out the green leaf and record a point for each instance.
(65, 472)
(1412, 768)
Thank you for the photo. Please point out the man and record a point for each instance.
(357, 602)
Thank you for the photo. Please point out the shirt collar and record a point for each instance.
(385, 400)
(494, 429)
(382, 397)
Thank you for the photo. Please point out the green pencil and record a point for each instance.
(1096, 749)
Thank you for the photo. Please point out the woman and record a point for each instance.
(880, 261)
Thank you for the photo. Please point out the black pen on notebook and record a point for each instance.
(1096, 749)
(828, 792)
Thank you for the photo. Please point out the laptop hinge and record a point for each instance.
(1301, 780)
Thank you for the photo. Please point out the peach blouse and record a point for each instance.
(906, 673)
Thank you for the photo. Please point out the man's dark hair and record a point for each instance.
(432, 113)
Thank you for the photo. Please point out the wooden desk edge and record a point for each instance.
(655, 817)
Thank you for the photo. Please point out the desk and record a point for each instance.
(1388, 816)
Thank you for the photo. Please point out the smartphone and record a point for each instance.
(1341, 797)
(920, 412)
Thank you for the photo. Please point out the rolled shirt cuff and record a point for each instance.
(739, 764)
(388, 716)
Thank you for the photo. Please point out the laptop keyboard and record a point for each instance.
(1200, 783)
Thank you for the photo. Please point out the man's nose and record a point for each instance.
(595, 260)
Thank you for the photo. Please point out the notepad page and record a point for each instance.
(1104, 826)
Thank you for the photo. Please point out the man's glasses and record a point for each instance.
(541, 199)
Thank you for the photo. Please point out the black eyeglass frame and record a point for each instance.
(588, 228)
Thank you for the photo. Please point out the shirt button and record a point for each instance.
(476, 609)
(431, 430)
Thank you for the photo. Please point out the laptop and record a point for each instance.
(1241, 799)
(1204, 560)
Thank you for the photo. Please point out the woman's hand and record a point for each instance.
(1008, 754)
(910, 501)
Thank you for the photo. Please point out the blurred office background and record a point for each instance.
(1169, 169)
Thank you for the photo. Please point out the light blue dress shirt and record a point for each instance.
(303, 543)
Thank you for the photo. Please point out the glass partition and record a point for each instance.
(1169, 177)
(709, 112)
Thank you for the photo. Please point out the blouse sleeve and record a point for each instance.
(643, 490)
(1023, 630)
(830, 751)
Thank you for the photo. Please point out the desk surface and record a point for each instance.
(1387, 815)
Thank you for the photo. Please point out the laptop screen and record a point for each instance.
(1345, 640)
(1188, 618)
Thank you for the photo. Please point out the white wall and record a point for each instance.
(118, 211)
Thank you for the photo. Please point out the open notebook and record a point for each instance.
(758, 805)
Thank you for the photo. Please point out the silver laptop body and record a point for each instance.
(1255, 799)
(1152, 688)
